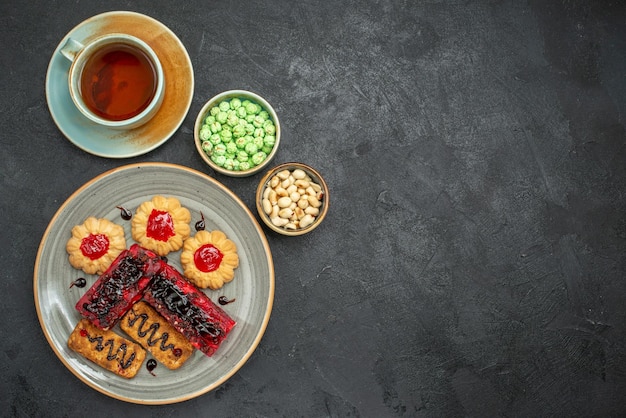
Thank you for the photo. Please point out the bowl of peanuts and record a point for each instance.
(292, 199)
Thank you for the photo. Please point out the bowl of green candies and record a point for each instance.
(237, 133)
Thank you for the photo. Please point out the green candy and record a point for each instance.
(251, 148)
(252, 108)
(269, 128)
(205, 133)
(258, 141)
(219, 149)
(242, 156)
(241, 142)
(259, 157)
(235, 103)
(259, 132)
(232, 119)
(244, 165)
(258, 121)
(239, 131)
(241, 112)
(226, 135)
(214, 111)
(231, 147)
(215, 139)
(221, 117)
(224, 105)
(229, 164)
(218, 159)
(269, 140)
(216, 127)
(207, 147)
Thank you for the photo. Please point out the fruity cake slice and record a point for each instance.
(188, 310)
(119, 287)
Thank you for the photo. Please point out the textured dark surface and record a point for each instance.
(472, 263)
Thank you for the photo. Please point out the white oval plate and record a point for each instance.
(252, 288)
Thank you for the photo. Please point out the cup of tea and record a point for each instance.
(115, 80)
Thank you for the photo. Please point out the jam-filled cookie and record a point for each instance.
(95, 244)
(209, 259)
(161, 225)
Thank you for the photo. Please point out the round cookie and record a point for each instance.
(161, 225)
(209, 259)
(95, 244)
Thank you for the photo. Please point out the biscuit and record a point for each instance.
(209, 259)
(161, 225)
(95, 244)
(107, 349)
(155, 334)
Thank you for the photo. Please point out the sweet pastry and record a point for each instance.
(188, 310)
(209, 259)
(144, 325)
(161, 224)
(95, 244)
(107, 349)
(119, 287)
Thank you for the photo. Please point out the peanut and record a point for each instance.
(292, 200)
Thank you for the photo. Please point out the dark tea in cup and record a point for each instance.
(118, 82)
(115, 80)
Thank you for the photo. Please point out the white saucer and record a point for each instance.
(179, 87)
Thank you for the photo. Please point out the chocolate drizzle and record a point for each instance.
(111, 289)
(113, 353)
(152, 329)
(176, 301)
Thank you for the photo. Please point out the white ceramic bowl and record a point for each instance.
(321, 195)
(199, 138)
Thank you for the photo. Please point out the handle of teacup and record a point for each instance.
(71, 49)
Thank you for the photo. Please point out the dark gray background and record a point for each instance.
(472, 263)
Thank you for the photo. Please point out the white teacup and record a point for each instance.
(115, 80)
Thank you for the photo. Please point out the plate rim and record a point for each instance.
(257, 338)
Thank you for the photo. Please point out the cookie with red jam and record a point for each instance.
(209, 259)
(95, 244)
(161, 225)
